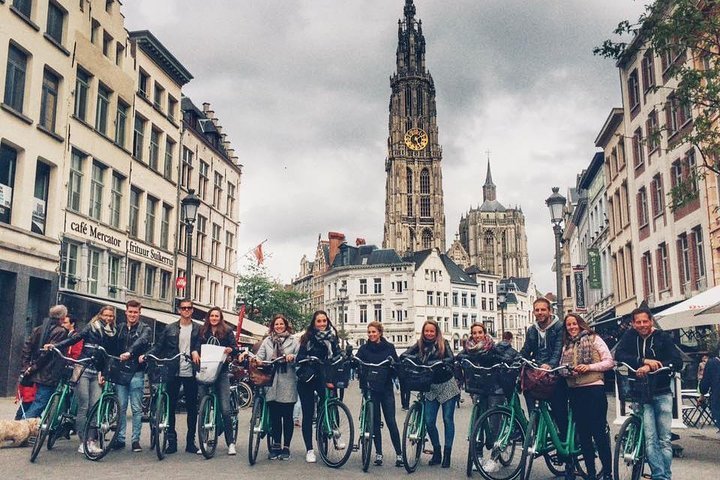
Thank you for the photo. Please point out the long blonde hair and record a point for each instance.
(439, 341)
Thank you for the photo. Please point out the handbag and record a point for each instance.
(212, 357)
(261, 375)
(537, 383)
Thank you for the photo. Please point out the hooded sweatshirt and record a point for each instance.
(544, 346)
(634, 350)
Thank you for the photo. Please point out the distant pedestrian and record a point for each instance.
(711, 383)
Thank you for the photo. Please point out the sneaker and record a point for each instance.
(171, 448)
(310, 457)
(136, 447)
(118, 445)
(285, 454)
(341, 445)
(297, 422)
(378, 459)
(398, 461)
(191, 448)
(81, 448)
(231, 449)
(274, 453)
(490, 465)
(93, 448)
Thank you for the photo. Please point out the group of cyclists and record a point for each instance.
(567, 346)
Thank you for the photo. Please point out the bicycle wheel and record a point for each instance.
(234, 410)
(335, 433)
(62, 424)
(46, 425)
(413, 438)
(162, 407)
(245, 395)
(366, 435)
(627, 465)
(101, 427)
(255, 434)
(528, 450)
(152, 421)
(498, 437)
(207, 426)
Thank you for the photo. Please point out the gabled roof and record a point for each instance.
(417, 257)
(457, 275)
(522, 283)
(149, 44)
(492, 206)
(365, 255)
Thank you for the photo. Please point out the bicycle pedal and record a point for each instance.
(355, 448)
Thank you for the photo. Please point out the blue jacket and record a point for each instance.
(711, 381)
(547, 349)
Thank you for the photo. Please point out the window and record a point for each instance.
(134, 211)
(363, 314)
(483, 303)
(684, 258)
(40, 197)
(150, 273)
(491, 287)
(93, 271)
(121, 123)
(456, 320)
(217, 192)
(482, 286)
(133, 277)
(15, 78)
(101, 112)
(199, 287)
(158, 96)
(204, 179)
(633, 90)
(143, 83)
(638, 153)
(186, 168)
(677, 114)
(658, 196)
(213, 292)
(8, 164)
(229, 250)
(647, 274)
(230, 199)
(377, 285)
(663, 267)
(75, 180)
(648, 70)
(473, 300)
(398, 315)
(49, 100)
(23, 6)
(139, 137)
(430, 297)
(699, 253)
(172, 108)
(154, 149)
(82, 87)
(491, 304)
(69, 254)
(200, 237)
(169, 154)
(426, 238)
(94, 31)
(464, 320)
(692, 173)
(55, 21)
(215, 245)
(114, 276)
(445, 299)
(107, 44)
(676, 175)
(115, 199)
(119, 54)
(96, 191)
(653, 132)
(165, 226)
(363, 286)
(150, 215)
(455, 299)
(463, 299)
(378, 313)
(642, 207)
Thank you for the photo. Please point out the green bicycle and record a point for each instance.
(260, 426)
(334, 428)
(416, 378)
(630, 459)
(158, 373)
(210, 423)
(58, 417)
(542, 438)
(370, 374)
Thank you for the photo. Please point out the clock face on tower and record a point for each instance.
(416, 139)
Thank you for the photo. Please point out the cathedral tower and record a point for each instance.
(414, 210)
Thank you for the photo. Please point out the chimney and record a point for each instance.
(336, 239)
(359, 241)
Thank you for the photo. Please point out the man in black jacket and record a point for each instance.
(177, 338)
(711, 382)
(646, 349)
(40, 366)
(133, 340)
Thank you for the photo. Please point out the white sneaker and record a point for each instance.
(310, 457)
(81, 449)
(231, 449)
(341, 445)
(491, 466)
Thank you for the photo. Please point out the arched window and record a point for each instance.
(424, 182)
(489, 239)
(409, 180)
(427, 239)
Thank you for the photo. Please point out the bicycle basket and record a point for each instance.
(479, 381)
(337, 372)
(374, 378)
(158, 372)
(415, 379)
(633, 389)
(119, 373)
(539, 384)
(261, 375)
(71, 373)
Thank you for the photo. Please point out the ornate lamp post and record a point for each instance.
(189, 208)
(502, 299)
(556, 204)
(342, 298)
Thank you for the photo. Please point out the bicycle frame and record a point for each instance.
(420, 400)
(548, 437)
(633, 449)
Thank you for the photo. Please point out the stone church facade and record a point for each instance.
(494, 237)
(414, 209)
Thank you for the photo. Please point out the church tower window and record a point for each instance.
(426, 239)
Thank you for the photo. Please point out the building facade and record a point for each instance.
(414, 207)
(516, 313)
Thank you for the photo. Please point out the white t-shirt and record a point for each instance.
(184, 347)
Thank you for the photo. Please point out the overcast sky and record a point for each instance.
(301, 87)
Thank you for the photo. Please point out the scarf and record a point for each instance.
(106, 329)
(277, 340)
(429, 348)
(327, 338)
(479, 347)
(580, 350)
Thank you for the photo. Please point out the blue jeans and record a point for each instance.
(134, 392)
(448, 412)
(658, 419)
(42, 397)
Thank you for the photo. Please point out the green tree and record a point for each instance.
(264, 297)
(687, 34)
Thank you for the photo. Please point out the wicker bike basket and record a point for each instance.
(633, 389)
(261, 375)
(540, 384)
(414, 378)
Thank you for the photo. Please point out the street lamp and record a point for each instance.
(556, 204)
(502, 299)
(342, 297)
(188, 209)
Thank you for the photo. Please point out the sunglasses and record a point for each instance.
(186, 308)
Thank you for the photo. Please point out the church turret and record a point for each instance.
(489, 190)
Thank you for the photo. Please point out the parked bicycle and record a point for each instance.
(263, 372)
(542, 438)
(240, 382)
(158, 374)
(334, 428)
(630, 458)
(210, 422)
(58, 417)
(371, 375)
(415, 378)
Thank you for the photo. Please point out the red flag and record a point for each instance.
(241, 316)
(257, 251)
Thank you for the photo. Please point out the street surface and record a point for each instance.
(701, 460)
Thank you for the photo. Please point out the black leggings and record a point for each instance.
(307, 391)
(386, 400)
(281, 420)
(589, 407)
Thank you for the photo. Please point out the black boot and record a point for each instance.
(436, 456)
(447, 452)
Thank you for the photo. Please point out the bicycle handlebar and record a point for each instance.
(160, 360)
(620, 365)
(431, 366)
(465, 361)
(81, 361)
(535, 366)
(266, 362)
(388, 362)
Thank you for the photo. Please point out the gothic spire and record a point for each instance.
(409, 11)
(411, 43)
(489, 193)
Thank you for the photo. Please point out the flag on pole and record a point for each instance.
(241, 317)
(257, 251)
